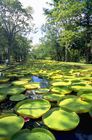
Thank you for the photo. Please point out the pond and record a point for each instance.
(83, 130)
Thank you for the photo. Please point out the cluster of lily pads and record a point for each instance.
(70, 90)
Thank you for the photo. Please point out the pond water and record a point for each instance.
(43, 82)
(82, 132)
(84, 129)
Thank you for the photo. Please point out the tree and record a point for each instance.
(14, 20)
(73, 19)
(22, 48)
(76, 16)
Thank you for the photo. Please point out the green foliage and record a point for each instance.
(68, 24)
(14, 21)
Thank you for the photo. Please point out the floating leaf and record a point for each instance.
(53, 96)
(35, 134)
(75, 104)
(86, 97)
(17, 97)
(12, 90)
(9, 125)
(42, 90)
(33, 108)
(31, 86)
(61, 90)
(61, 120)
(2, 97)
(20, 82)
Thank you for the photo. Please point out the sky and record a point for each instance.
(38, 16)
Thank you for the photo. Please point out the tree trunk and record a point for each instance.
(89, 55)
(9, 50)
(66, 54)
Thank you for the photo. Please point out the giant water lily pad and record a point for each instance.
(53, 96)
(4, 80)
(61, 83)
(57, 76)
(9, 125)
(20, 82)
(35, 134)
(2, 97)
(75, 104)
(67, 97)
(61, 120)
(86, 97)
(85, 91)
(78, 87)
(4, 85)
(11, 90)
(31, 86)
(17, 97)
(33, 108)
(26, 79)
(42, 90)
(61, 90)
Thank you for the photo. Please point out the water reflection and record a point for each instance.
(83, 136)
(43, 82)
(1, 74)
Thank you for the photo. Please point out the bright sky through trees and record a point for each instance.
(38, 15)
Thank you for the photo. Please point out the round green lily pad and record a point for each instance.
(77, 88)
(53, 96)
(4, 85)
(11, 90)
(2, 97)
(86, 97)
(4, 80)
(42, 90)
(75, 104)
(61, 90)
(84, 91)
(60, 83)
(68, 96)
(33, 108)
(25, 79)
(57, 76)
(35, 134)
(31, 86)
(20, 82)
(17, 97)
(9, 125)
(60, 120)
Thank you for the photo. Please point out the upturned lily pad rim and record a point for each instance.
(33, 131)
(30, 101)
(60, 109)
